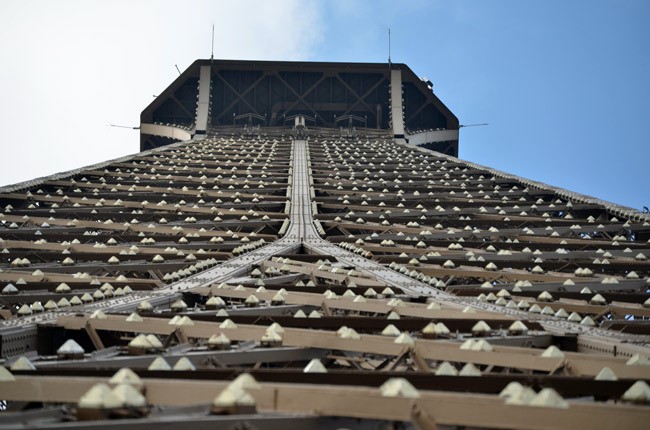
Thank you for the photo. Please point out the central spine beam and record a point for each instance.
(301, 227)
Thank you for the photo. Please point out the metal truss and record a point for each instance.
(394, 286)
(272, 91)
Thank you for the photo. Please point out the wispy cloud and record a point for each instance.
(72, 67)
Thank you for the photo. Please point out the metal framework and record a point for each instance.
(267, 92)
(315, 277)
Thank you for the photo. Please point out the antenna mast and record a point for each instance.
(472, 125)
(389, 64)
(212, 49)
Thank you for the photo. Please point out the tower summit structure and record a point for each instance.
(328, 95)
(298, 245)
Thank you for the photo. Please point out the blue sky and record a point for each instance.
(564, 85)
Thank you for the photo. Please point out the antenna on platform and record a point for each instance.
(179, 70)
(212, 50)
(389, 64)
(473, 125)
(124, 126)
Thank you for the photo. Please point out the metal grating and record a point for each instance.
(357, 281)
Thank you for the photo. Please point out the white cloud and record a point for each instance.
(72, 67)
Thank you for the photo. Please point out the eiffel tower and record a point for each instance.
(297, 245)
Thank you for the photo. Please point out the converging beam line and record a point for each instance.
(301, 216)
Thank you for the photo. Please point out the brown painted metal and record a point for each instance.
(432, 227)
(444, 408)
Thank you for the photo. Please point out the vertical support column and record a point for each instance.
(203, 103)
(379, 113)
(396, 109)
